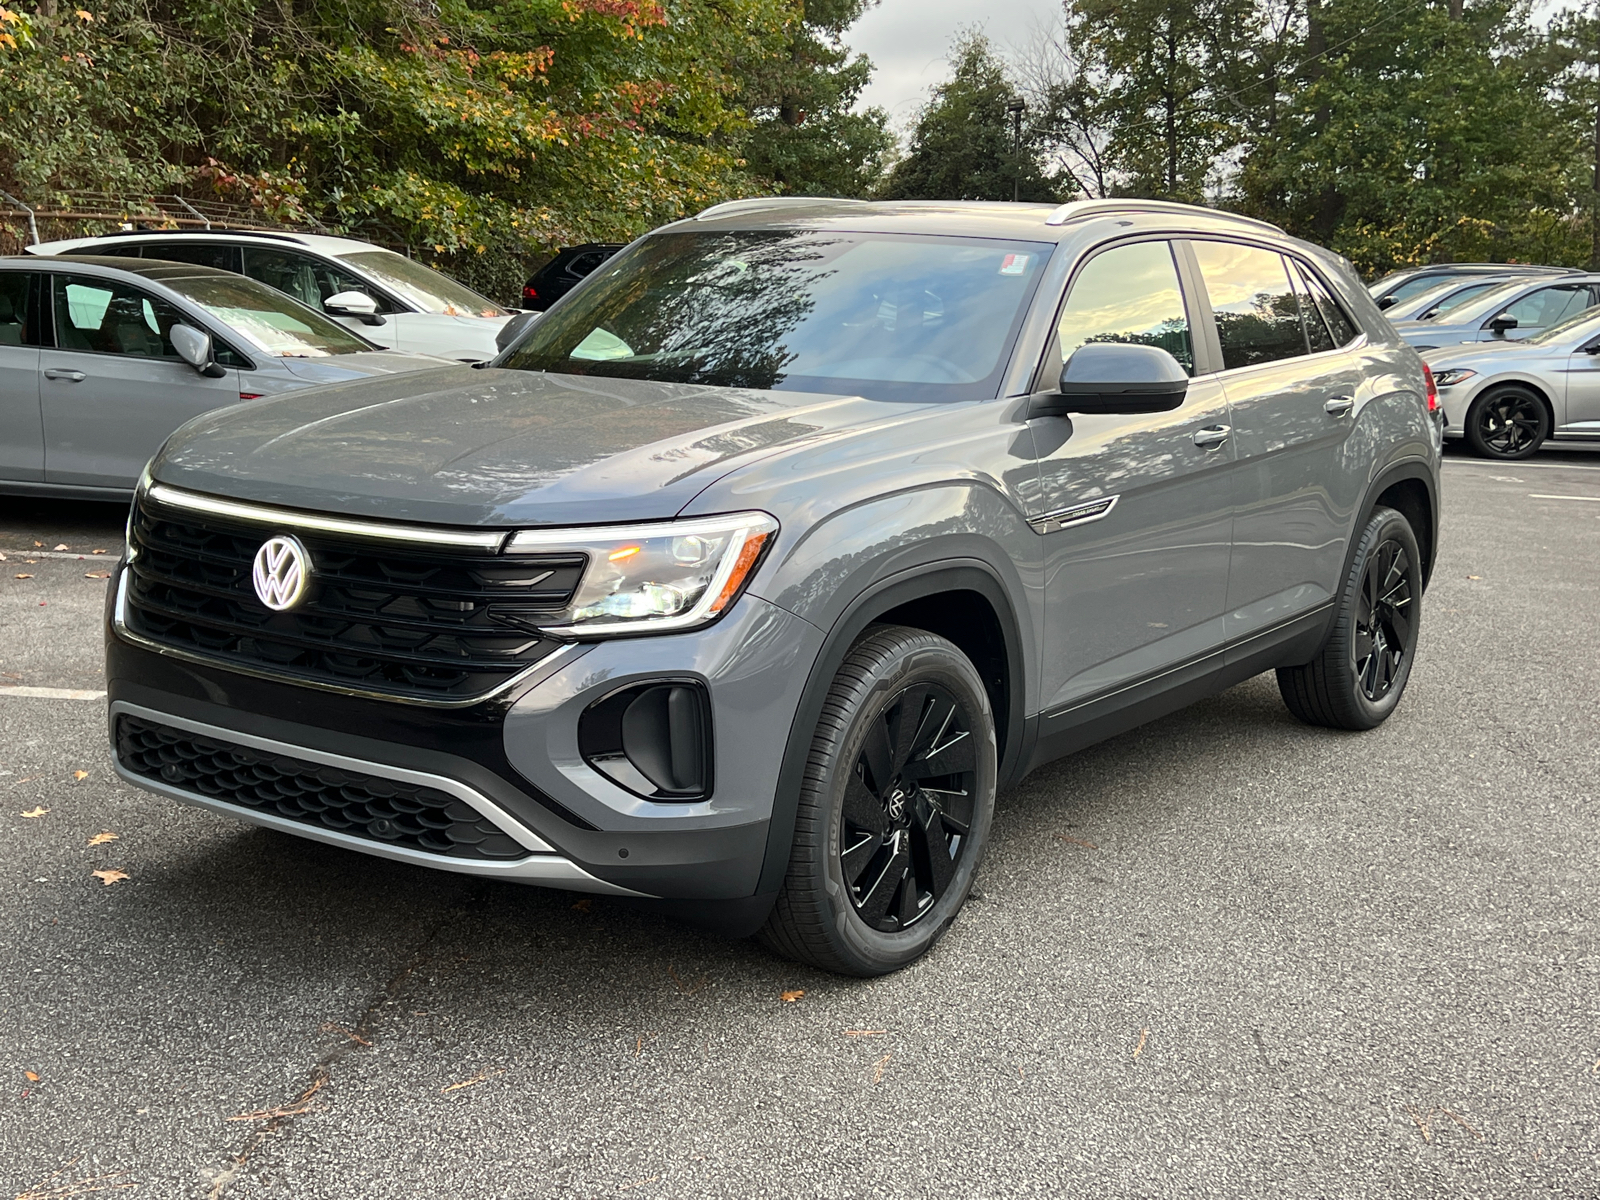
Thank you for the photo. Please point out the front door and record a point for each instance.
(1582, 408)
(21, 428)
(1135, 512)
(1292, 413)
(113, 387)
(313, 280)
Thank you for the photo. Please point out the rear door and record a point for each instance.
(313, 280)
(1135, 512)
(1540, 309)
(113, 387)
(21, 426)
(1294, 399)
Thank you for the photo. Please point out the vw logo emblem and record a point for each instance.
(282, 573)
(897, 804)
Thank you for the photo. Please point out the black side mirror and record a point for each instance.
(1115, 377)
(1503, 322)
(1387, 302)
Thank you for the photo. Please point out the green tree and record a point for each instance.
(963, 146)
(805, 136)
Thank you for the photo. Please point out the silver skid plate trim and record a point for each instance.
(1078, 514)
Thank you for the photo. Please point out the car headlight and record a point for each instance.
(1451, 376)
(650, 578)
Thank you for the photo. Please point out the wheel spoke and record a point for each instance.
(878, 754)
(930, 850)
(875, 903)
(855, 859)
(1399, 630)
(1369, 675)
(958, 753)
(906, 722)
(955, 807)
(864, 810)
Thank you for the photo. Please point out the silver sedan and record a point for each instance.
(1506, 398)
(1448, 295)
(1508, 313)
(102, 358)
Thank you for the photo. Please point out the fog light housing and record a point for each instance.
(652, 738)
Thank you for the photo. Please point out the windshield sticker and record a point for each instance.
(1014, 264)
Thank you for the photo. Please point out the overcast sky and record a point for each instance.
(907, 41)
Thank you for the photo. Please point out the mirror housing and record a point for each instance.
(1115, 377)
(354, 304)
(512, 329)
(1503, 322)
(195, 348)
(1387, 302)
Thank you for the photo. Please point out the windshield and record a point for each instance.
(887, 316)
(1578, 326)
(1455, 301)
(1480, 304)
(272, 322)
(423, 286)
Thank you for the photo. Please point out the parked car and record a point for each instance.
(102, 358)
(387, 298)
(1431, 303)
(754, 569)
(1506, 398)
(1402, 285)
(1510, 312)
(564, 272)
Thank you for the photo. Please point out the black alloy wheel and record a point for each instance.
(1359, 675)
(908, 807)
(1383, 632)
(894, 806)
(1507, 423)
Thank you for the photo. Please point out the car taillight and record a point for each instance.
(1432, 388)
(529, 292)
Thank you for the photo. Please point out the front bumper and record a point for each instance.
(514, 757)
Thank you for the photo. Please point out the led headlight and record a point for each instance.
(1451, 376)
(648, 578)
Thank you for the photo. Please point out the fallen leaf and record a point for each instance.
(473, 1082)
(30, 1077)
(61, 546)
(3, 556)
(38, 543)
(34, 812)
(97, 574)
(1474, 576)
(24, 575)
(80, 775)
(583, 905)
(879, 1067)
(109, 877)
(791, 997)
(100, 839)
(1139, 1049)
(97, 552)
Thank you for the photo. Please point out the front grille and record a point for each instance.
(366, 806)
(421, 623)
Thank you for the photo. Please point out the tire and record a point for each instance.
(1357, 679)
(867, 892)
(1507, 423)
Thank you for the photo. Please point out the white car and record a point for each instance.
(386, 297)
(1506, 398)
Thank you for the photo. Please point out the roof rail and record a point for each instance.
(1080, 210)
(756, 203)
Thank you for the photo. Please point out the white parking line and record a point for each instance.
(39, 693)
(1585, 499)
(22, 555)
(1522, 466)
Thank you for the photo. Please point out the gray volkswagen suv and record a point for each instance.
(747, 577)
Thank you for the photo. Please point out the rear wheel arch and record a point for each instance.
(963, 601)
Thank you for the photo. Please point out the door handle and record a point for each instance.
(63, 373)
(1338, 406)
(1212, 436)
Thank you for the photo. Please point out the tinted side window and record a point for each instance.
(309, 280)
(1318, 336)
(1339, 322)
(1415, 287)
(105, 316)
(133, 251)
(1258, 317)
(1128, 294)
(202, 254)
(19, 324)
(1546, 306)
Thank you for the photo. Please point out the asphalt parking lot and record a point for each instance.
(1224, 955)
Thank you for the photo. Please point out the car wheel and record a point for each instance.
(894, 807)
(1507, 423)
(1358, 678)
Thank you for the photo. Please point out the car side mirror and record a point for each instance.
(354, 304)
(1387, 302)
(1503, 322)
(1115, 377)
(512, 329)
(195, 348)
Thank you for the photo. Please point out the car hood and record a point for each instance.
(465, 446)
(339, 368)
(1463, 353)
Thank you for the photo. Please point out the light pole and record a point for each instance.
(1014, 109)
